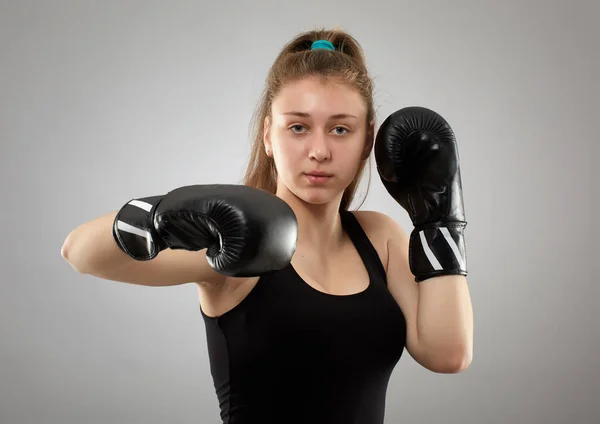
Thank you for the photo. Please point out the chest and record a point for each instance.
(303, 325)
(342, 274)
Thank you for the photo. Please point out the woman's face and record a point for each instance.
(318, 135)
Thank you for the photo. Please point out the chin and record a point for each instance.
(317, 196)
(314, 194)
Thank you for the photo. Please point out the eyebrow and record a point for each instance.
(307, 115)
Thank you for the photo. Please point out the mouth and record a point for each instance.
(317, 177)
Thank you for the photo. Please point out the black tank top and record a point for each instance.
(289, 353)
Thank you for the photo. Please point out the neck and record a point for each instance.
(319, 225)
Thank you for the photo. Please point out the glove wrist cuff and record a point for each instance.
(133, 229)
(438, 249)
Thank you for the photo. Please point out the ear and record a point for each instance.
(370, 140)
(267, 136)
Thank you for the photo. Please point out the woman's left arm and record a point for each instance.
(438, 310)
(418, 163)
(445, 320)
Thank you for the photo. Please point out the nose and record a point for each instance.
(318, 148)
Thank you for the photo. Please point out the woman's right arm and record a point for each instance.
(91, 249)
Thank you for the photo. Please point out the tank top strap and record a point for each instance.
(363, 245)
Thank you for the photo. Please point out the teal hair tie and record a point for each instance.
(322, 45)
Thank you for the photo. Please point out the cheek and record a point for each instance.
(287, 156)
(351, 158)
(284, 154)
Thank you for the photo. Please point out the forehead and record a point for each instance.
(317, 96)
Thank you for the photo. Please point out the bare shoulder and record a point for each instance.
(380, 228)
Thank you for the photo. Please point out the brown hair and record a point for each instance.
(294, 62)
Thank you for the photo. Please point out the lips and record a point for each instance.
(318, 174)
(316, 177)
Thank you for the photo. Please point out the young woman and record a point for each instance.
(308, 306)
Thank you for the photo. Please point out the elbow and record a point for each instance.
(460, 362)
(66, 253)
(453, 362)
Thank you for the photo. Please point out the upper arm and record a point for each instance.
(168, 268)
(400, 280)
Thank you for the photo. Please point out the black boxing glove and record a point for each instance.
(417, 161)
(246, 231)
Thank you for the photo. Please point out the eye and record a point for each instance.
(345, 130)
(297, 128)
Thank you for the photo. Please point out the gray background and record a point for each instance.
(102, 101)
